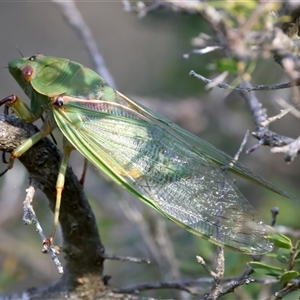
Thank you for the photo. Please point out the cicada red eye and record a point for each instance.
(27, 73)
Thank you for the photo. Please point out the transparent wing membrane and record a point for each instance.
(184, 185)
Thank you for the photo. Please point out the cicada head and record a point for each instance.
(40, 73)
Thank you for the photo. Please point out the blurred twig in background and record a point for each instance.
(233, 34)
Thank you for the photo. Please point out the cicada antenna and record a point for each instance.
(19, 51)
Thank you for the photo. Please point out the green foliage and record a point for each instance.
(281, 241)
(238, 12)
(266, 269)
(285, 254)
(288, 276)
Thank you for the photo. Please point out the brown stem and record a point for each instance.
(82, 245)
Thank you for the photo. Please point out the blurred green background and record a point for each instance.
(145, 57)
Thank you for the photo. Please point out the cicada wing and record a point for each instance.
(165, 172)
(206, 149)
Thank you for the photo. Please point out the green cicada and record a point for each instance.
(168, 168)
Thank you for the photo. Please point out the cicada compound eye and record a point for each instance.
(27, 73)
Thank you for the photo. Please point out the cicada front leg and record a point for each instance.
(26, 115)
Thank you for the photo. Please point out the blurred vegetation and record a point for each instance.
(146, 58)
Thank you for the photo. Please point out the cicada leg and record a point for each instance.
(25, 114)
(59, 187)
(6, 113)
(19, 107)
(51, 134)
(82, 178)
(4, 160)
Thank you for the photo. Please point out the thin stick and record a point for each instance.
(127, 258)
(29, 217)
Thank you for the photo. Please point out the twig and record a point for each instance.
(127, 5)
(204, 50)
(202, 262)
(292, 108)
(29, 214)
(220, 265)
(254, 17)
(140, 7)
(183, 6)
(127, 258)
(282, 113)
(291, 150)
(193, 285)
(30, 217)
(217, 276)
(228, 289)
(179, 285)
(221, 85)
(241, 148)
(285, 291)
(257, 110)
(274, 214)
(260, 87)
(220, 268)
(262, 133)
(269, 138)
(76, 21)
